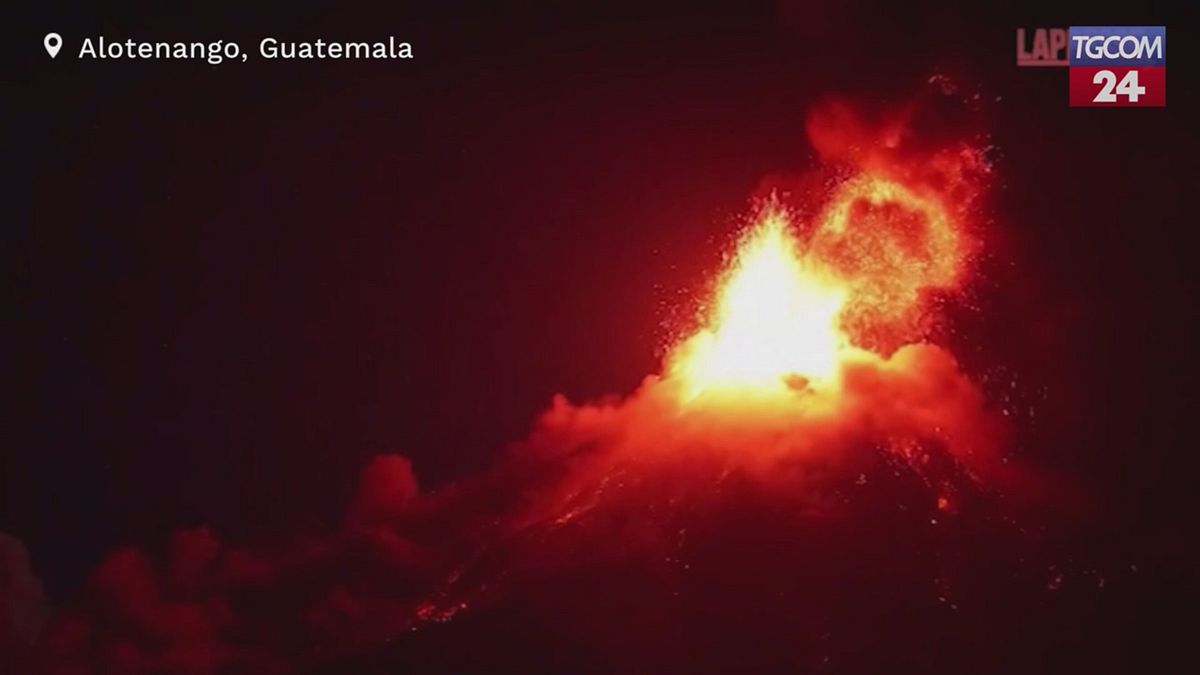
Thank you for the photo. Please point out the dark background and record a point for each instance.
(233, 284)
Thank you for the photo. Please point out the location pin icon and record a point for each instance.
(53, 43)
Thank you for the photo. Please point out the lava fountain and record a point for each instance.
(775, 320)
(793, 307)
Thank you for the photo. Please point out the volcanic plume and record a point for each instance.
(789, 492)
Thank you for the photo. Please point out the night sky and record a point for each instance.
(233, 285)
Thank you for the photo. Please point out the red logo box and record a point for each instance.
(1118, 87)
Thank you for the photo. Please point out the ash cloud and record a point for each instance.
(24, 607)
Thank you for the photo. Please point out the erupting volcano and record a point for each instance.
(797, 454)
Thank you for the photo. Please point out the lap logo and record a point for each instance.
(1118, 66)
(1042, 47)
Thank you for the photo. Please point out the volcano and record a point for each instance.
(810, 483)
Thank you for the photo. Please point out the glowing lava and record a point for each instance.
(789, 311)
(776, 319)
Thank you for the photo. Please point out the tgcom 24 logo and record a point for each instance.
(1108, 66)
